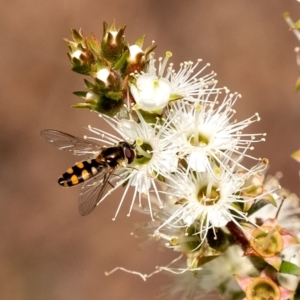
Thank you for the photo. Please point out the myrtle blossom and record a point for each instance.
(152, 90)
(207, 200)
(151, 93)
(188, 82)
(214, 275)
(190, 154)
(287, 208)
(207, 132)
(155, 157)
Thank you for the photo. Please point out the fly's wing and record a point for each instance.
(93, 190)
(70, 143)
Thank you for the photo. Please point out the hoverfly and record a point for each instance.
(93, 173)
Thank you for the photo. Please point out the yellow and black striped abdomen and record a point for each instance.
(80, 172)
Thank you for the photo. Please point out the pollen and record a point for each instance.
(139, 141)
(198, 106)
(169, 54)
(217, 171)
(174, 241)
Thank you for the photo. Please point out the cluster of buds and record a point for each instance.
(109, 63)
(190, 164)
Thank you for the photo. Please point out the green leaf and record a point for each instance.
(289, 268)
(80, 94)
(95, 46)
(89, 84)
(261, 203)
(76, 36)
(149, 49)
(84, 70)
(82, 105)
(122, 61)
(140, 41)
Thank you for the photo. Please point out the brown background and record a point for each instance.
(47, 251)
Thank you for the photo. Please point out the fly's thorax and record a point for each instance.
(81, 172)
(116, 155)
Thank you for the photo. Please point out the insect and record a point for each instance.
(93, 173)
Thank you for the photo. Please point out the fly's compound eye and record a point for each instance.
(129, 154)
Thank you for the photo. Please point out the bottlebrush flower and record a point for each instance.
(151, 93)
(155, 157)
(207, 132)
(216, 275)
(208, 200)
(152, 90)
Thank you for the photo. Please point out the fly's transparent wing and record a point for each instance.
(93, 190)
(70, 143)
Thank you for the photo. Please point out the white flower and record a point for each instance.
(207, 132)
(188, 83)
(287, 209)
(207, 201)
(155, 157)
(154, 89)
(216, 275)
(151, 93)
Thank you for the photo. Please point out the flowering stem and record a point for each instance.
(238, 235)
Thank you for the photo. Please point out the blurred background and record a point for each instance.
(47, 250)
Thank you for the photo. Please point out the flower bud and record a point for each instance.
(80, 54)
(108, 82)
(103, 75)
(101, 103)
(151, 93)
(113, 43)
(136, 60)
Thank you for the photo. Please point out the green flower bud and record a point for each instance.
(113, 43)
(80, 54)
(103, 104)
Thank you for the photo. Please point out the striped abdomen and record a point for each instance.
(80, 172)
